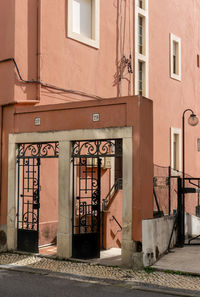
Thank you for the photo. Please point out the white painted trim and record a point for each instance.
(142, 58)
(142, 12)
(81, 134)
(179, 132)
(147, 49)
(65, 181)
(95, 40)
(178, 40)
(145, 57)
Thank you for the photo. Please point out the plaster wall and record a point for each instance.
(65, 195)
(155, 238)
(7, 40)
(171, 97)
(111, 230)
(48, 223)
(95, 70)
(192, 225)
(131, 112)
(25, 48)
(36, 36)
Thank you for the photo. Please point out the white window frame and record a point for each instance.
(174, 38)
(95, 40)
(177, 131)
(144, 57)
(143, 77)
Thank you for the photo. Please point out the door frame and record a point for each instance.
(64, 243)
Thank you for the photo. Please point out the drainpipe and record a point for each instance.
(1, 128)
(38, 46)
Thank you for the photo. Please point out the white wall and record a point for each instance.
(155, 238)
(192, 225)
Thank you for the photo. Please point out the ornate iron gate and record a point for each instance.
(86, 158)
(29, 161)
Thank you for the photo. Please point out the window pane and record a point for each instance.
(141, 4)
(174, 64)
(175, 58)
(82, 17)
(141, 78)
(140, 35)
(176, 152)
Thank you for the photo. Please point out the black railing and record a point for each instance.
(116, 186)
(165, 190)
(114, 218)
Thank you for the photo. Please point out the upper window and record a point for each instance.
(141, 4)
(141, 76)
(175, 150)
(83, 21)
(141, 35)
(175, 56)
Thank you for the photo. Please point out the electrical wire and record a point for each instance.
(49, 86)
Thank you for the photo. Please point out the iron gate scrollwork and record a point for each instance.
(86, 158)
(29, 161)
(97, 148)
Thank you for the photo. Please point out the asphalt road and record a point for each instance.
(23, 284)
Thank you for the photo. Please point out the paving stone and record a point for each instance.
(103, 272)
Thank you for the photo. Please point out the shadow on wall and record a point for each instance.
(155, 238)
(112, 222)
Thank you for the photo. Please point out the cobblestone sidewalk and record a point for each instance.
(102, 272)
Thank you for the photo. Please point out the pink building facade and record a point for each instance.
(60, 61)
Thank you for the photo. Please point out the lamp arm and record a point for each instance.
(188, 109)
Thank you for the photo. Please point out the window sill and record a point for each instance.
(176, 76)
(83, 39)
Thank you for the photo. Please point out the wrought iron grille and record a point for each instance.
(97, 148)
(86, 202)
(29, 160)
(28, 194)
(38, 150)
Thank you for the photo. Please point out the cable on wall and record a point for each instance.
(49, 86)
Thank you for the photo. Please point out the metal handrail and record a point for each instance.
(114, 218)
(116, 186)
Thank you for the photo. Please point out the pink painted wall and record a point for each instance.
(126, 113)
(94, 69)
(170, 96)
(26, 48)
(35, 34)
(7, 40)
(69, 64)
(111, 231)
(48, 201)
